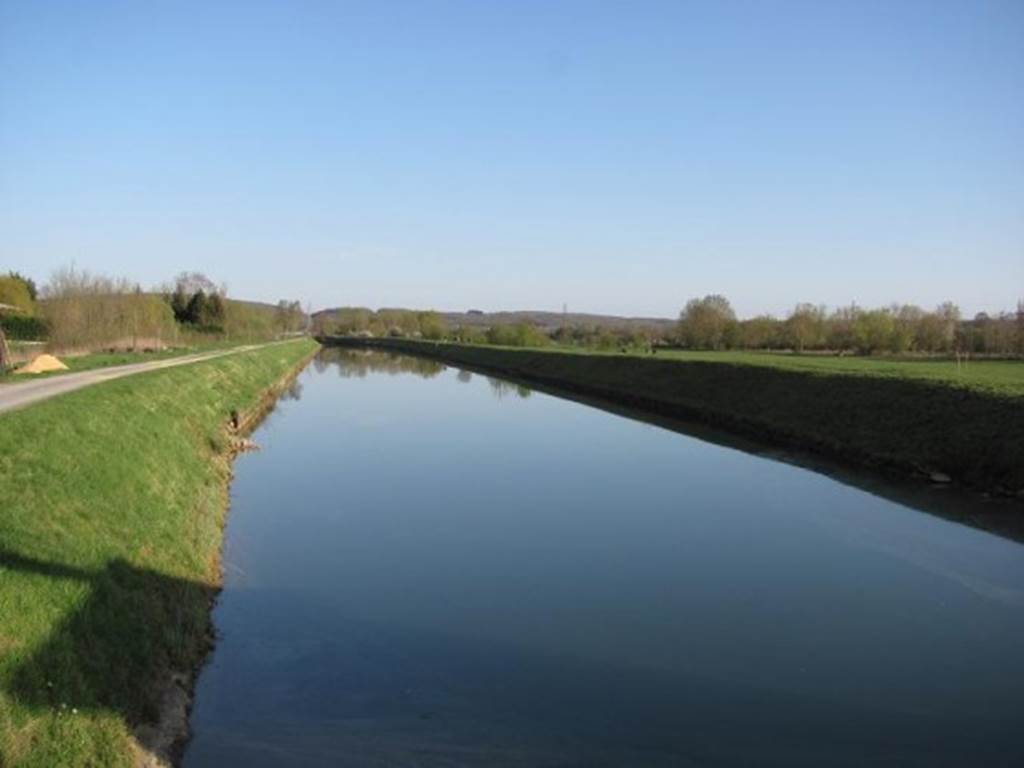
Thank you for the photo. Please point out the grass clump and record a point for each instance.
(113, 500)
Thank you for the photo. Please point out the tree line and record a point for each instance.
(79, 310)
(422, 324)
(360, 321)
(710, 323)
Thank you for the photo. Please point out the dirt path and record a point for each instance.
(20, 394)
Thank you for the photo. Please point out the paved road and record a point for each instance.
(22, 393)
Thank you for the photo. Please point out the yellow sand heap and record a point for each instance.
(43, 364)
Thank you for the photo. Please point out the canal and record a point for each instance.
(428, 567)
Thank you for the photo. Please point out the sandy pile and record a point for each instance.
(42, 364)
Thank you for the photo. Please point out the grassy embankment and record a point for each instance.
(907, 416)
(113, 503)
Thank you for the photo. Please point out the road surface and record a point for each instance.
(22, 393)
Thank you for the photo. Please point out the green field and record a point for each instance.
(113, 502)
(909, 417)
(1000, 377)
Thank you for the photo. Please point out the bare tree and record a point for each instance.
(194, 282)
(86, 311)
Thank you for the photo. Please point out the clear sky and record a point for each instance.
(615, 156)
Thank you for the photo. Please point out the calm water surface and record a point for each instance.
(428, 567)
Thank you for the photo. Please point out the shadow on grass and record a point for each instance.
(114, 650)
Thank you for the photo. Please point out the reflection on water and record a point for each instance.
(424, 570)
(293, 392)
(502, 388)
(358, 363)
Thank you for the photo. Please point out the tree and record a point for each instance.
(906, 320)
(986, 334)
(14, 291)
(214, 313)
(706, 323)
(191, 283)
(196, 309)
(468, 334)
(30, 284)
(949, 315)
(199, 302)
(839, 336)
(431, 325)
(518, 335)
(761, 332)
(319, 324)
(245, 321)
(151, 318)
(179, 303)
(348, 320)
(806, 327)
(90, 312)
(929, 335)
(288, 316)
(872, 330)
(205, 312)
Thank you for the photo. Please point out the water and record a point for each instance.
(427, 567)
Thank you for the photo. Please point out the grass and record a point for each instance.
(113, 502)
(882, 413)
(106, 359)
(997, 377)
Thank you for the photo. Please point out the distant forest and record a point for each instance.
(708, 323)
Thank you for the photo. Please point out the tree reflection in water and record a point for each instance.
(294, 391)
(357, 363)
(501, 388)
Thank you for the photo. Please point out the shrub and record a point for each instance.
(24, 328)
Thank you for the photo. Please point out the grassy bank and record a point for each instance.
(110, 528)
(921, 422)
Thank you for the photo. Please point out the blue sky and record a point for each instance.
(615, 156)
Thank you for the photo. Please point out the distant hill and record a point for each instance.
(553, 320)
(261, 305)
(541, 319)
